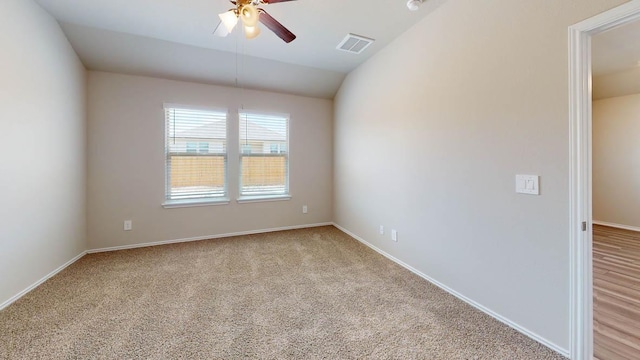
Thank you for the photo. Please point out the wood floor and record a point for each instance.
(616, 288)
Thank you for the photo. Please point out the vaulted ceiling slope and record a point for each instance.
(173, 39)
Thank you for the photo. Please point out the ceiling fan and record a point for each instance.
(250, 14)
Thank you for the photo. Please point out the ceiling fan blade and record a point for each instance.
(221, 30)
(277, 28)
(274, 1)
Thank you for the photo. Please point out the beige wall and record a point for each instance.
(616, 160)
(43, 167)
(126, 162)
(429, 135)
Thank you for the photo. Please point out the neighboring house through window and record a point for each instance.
(196, 156)
(275, 148)
(198, 147)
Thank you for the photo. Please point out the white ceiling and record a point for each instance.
(616, 50)
(615, 60)
(173, 39)
(136, 55)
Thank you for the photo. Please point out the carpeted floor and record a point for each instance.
(302, 294)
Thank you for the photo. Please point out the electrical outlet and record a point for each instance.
(381, 230)
(128, 225)
(394, 235)
(304, 209)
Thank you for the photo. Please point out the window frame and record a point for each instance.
(249, 198)
(200, 201)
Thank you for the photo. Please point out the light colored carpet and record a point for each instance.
(302, 294)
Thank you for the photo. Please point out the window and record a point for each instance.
(276, 148)
(264, 159)
(201, 147)
(196, 156)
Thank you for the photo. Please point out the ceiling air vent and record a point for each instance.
(354, 44)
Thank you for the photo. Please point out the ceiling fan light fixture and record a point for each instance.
(251, 32)
(229, 19)
(249, 15)
(413, 5)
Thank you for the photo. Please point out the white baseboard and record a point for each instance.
(39, 282)
(487, 311)
(618, 226)
(206, 237)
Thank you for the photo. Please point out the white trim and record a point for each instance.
(580, 186)
(580, 302)
(617, 226)
(39, 282)
(476, 305)
(206, 237)
(173, 204)
(221, 110)
(265, 113)
(263, 198)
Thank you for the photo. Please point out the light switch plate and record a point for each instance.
(528, 184)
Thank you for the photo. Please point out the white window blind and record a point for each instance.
(196, 154)
(264, 154)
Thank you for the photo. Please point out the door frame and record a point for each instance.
(581, 262)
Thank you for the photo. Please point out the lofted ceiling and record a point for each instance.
(616, 62)
(173, 39)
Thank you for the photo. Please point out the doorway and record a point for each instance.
(581, 201)
(616, 194)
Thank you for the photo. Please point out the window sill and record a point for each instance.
(263, 198)
(172, 204)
